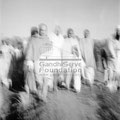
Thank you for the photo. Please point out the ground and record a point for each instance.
(98, 104)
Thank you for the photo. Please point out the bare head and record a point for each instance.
(118, 30)
(117, 33)
(42, 29)
(70, 33)
(34, 31)
(57, 30)
(86, 33)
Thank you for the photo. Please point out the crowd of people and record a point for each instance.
(69, 49)
(75, 57)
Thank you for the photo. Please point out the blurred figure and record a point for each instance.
(110, 60)
(116, 44)
(6, 56)
(71, 54)
(98, 53)
(57, 39)
(37, 46)
(34, 32)
(87, 50)
(117, 33)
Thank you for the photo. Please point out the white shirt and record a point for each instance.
(68, 44)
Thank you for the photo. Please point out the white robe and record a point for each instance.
(69, 57)
(117, 51)
(5, 60)
(117, 65)
(57, 45)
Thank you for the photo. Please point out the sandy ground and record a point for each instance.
(66, 105)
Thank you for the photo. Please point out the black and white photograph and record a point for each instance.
(59, 59)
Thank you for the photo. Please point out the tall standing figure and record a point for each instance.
(37, 46)
(71, 55)
(87, 50)
(57, 39)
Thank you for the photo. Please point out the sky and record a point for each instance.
(0, 16)
(119, 11)
(99, 16)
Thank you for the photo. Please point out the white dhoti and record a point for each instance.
(90, 74)
(72, 68)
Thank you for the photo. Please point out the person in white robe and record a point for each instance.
(116, 78)
(71, 54)
(111, 60)
(87, 50)
(57, 41)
